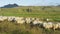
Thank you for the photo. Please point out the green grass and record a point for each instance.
(36, 11)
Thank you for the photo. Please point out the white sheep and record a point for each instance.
(28, 20)
(47, 25)
(55, 26)
(2, 18)
(37, 22)
(5, 17)
(21, 21)
(58, 25)
(10, 18)
(32, 19)
(19, 18)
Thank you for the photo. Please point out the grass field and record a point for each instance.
(31, 11)
(14, 28)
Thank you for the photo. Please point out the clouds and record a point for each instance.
(30, 2)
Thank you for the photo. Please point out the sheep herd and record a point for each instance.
(30, 20)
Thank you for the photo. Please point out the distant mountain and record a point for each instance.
(58, 5)
(10, 6)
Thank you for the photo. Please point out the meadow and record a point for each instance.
(14, 28)
(51, 12)
(33, 11)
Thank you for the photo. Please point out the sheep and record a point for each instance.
(32, 19)
(20, 20)
(58, 25)
(47, 25)
(37, 23)
(2, 18)
(55, 26)
(28, 20)
(11, 18)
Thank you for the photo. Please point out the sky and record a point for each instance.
(30, 2)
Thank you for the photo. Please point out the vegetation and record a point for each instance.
(14, 28)
(31, 11)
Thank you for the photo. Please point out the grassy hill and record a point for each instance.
(33, 11)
